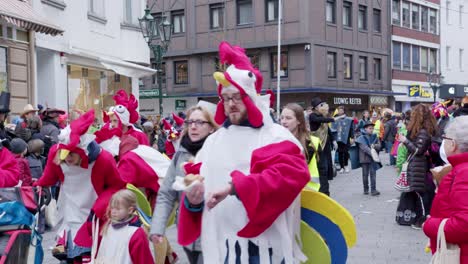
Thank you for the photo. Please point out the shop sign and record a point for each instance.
(347, 101)
(180, 105)
(154, 93)
(416, 90)
(453, 91)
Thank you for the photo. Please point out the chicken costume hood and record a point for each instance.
(74, 138)
(242, 76)
(125, 108)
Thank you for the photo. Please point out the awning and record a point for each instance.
(117, 65)
(20, 14)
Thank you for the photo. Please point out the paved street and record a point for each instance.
(380, 239)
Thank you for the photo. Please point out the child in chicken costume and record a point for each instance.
(173, 135)
(88, 176)
(263, 167)
(125, 110)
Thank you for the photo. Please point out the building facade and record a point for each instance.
(453, 53)
(338, 50)
(416, 38)
(101, 51)
(18, 25)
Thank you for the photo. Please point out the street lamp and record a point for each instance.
(433, 80)
(158, 37)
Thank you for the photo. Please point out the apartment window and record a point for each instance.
(377, 21)
(378, 69)
(396, 55)
(460, 16)
(406, 14)
(347, 14)
(447, 9)
(271, 10)
(415, 58)
(178, 21)
(283, 70)
(433, 60)
(331, 64)
(348, 67)
(255, 60)
(181, 72)
(433, 21)
(244, 12)
(362, 17)
(415, 16)
(217, 16)
(396, 12)
(461, 59)
(131, 12)
(447, 57)
(406, 57)
(424, 59)
(424, 18)
(96, 7)
(363, 68)
(331, 11)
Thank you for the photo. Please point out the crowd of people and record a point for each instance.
(220, 169)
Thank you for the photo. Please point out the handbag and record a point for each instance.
(401, 183)
(375, 155)
(445, 253)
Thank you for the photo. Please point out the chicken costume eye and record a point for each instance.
(250, 74)
(120, 109)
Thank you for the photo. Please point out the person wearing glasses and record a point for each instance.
(245, 210)
(450, 203)
(421, 128)
(199, 125)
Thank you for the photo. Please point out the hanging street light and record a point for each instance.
(158, 37)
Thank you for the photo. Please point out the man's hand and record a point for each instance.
(196, 193)
(216, 197)
(156, 239)
(335, 145)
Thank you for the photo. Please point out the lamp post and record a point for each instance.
(433, 80)
(158, 37)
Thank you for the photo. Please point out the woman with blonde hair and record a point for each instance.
(293, 118)
(199, 124)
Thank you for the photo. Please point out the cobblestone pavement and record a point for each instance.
(380, 239)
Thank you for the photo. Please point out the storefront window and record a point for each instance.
(94, 88)
(3, 70)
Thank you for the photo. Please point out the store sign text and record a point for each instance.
(347, 101)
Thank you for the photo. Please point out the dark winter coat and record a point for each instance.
(325, 164)
(390, 130)
(418, 166)
(364, 142)
(462, 111)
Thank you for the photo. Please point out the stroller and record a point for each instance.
(19, 239)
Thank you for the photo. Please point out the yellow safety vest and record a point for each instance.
(314, 182)
(377, 128)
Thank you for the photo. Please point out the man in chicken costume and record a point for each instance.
(88, 176)
(123, 115)
(247, 208)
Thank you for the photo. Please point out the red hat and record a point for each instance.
(125, 108)
(179, 121)
(241, 75)
(74, 138)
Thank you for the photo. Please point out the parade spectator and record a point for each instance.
(22, 129)
(402, 152)
(35, 158)
(198, 126)
(450, 203)
(50, 124)
(19, 148)
(364, 120)
(390, 131)
(35, 126)
(148, 128)
(368, 141)
(344, 127)
(421, 128)
(463, 110)
(123, 238)
(319, 126)
(253, 172)
(292, 118)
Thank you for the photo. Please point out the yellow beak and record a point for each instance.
(221, 79)
(110, 113)
(64, 153)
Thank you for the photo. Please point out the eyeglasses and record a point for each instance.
(236, 98)
(198, 123)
